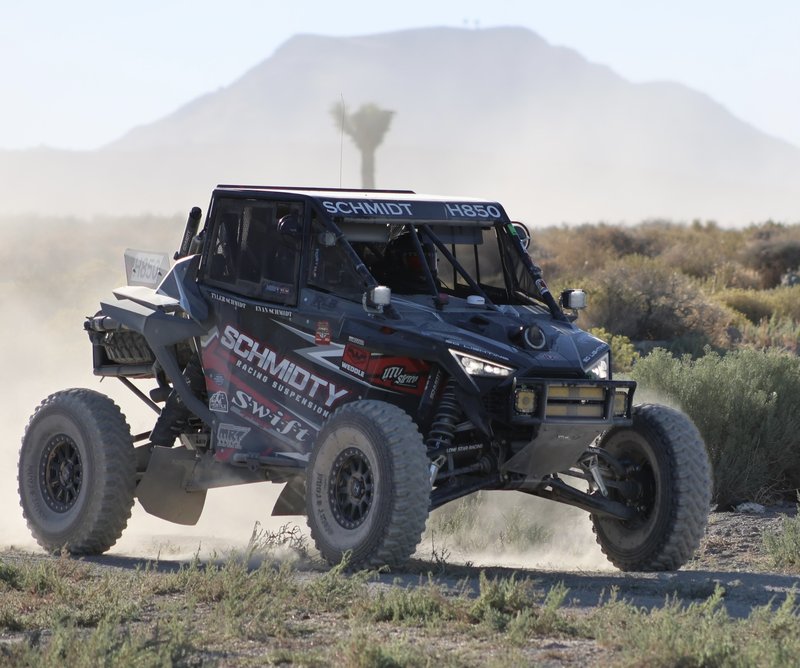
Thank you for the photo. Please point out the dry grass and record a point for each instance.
(56, 612)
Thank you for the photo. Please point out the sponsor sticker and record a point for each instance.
(231, 435)
(216, 377)
(218, 402)
(400, 377)
(268, 416)
(264, 364)
(322, 335)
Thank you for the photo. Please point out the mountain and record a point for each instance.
(495, 112)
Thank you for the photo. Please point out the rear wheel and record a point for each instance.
(670, 488)
(77, 472)
(368, 487)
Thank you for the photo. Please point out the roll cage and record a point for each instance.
(483, 257)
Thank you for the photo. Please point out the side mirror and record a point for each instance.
(523, 233)
(376, 298)
(573, 299)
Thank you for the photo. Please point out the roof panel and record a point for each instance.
(388, 205)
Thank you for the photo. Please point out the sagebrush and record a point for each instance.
(745, 406)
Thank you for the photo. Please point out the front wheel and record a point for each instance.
(368, 486)
(77, 472)
(667, 482)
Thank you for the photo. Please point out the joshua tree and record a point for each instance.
(366, 127)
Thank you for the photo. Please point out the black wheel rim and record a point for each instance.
(642, 474)
(351, 488)
(61, 473)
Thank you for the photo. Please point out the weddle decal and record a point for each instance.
(397, 373)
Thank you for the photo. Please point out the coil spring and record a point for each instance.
(441, 432)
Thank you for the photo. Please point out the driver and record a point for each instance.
(403, 270)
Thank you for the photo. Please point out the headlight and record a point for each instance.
(600, 369)
(475, 366)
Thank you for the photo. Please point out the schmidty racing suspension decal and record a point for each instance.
(267, 389)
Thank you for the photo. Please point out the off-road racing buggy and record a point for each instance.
(382, 353)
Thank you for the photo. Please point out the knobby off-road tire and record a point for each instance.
(674, 476)
(77, 472)
(368, 486)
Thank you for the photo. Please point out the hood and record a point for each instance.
(526, 338)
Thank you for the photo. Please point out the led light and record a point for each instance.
(620, 402)
(476, 366)
(600, 369)
(534, 337)
(525, 401)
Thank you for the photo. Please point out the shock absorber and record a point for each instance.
(175, 416)
(440, 435)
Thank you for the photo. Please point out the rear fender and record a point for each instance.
(162, 330)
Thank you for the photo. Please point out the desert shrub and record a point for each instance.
(623, 354)
(783, 543)
(754, 258)
(699, 250)
(773, 333)
(732, 274)
(644, 299)
(782, 302)
(785, 302)
(750, 303)
(701, 633)
(745, 406)
(578, 251)
(773, 251)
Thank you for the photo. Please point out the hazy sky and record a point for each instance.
(78, 74)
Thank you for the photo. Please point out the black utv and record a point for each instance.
(380, 353)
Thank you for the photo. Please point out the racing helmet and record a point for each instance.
(404, 269)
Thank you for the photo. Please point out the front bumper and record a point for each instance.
(560, 401)
(536, 401)
(564, 417)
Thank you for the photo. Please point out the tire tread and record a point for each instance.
(116, 476)
(691, 492)
(402, 530)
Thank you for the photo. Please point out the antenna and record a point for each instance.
(341, 140)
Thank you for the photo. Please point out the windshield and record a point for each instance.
(453, 260)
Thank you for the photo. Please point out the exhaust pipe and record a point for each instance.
(192, 223)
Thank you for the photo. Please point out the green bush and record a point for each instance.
(623, 354)
(745, 406)
(774, 257)
(783, 543)
(750, 303)
(644, 299)
(756, 305)
(785, 302)
(773, 333)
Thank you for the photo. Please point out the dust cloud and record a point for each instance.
(230, 514)
(51, 277)
(514, 530)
